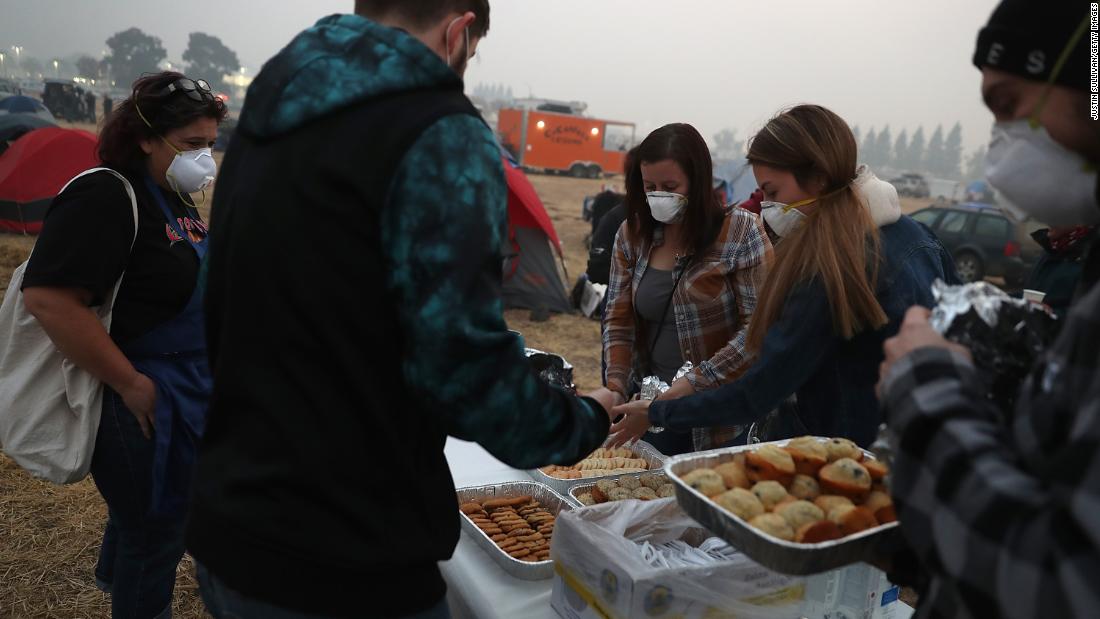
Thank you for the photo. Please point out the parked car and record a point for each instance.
(911, 186)
(984, 242)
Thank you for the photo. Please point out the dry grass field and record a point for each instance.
(50, 535)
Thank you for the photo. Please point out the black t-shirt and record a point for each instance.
(85, 243)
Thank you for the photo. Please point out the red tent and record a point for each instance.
(531, 276)
(35, 168)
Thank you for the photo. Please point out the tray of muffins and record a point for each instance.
(514, 523)
(605, 462)
(800, 506)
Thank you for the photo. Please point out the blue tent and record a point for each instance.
(19, 104)
(734, 178)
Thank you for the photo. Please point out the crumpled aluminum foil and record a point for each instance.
(553, 369)
(983, 298)
(653, 386)
(1005, 335)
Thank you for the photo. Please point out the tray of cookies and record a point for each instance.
(644, 487)
(514, 523)
(605, 462)
(799, 506)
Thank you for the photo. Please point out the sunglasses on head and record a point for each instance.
(196, 90)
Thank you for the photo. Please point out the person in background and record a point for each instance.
(346, 352)
(153, 361)
(684, 281)
(89, 106)
(1058, 271)
(1001, 509)
(608, 215)
(848, 264)
(108, 105)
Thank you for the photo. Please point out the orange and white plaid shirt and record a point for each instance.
(712, 304)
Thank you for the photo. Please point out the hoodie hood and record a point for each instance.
(340, 61)
(881, 197)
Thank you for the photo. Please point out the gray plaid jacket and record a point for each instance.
(1003, 509)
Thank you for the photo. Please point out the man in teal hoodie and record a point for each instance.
(354, 321)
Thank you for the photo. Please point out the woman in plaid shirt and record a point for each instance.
(847, 267)
(684, 278)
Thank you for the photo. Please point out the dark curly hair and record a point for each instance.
(124, 130)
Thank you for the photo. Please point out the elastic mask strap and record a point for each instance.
(794, 205)
(1033, 120)
(150, 125)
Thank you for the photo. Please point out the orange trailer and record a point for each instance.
(577, 145)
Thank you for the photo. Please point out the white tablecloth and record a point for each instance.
(476, 586)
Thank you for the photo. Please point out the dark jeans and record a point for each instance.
(225, 603)
(139, 555)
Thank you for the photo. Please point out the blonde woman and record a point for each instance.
(848, 264)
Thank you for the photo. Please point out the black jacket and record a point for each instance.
(354, 322)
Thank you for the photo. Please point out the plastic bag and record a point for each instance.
(599, 548)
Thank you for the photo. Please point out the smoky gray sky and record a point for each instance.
(712, 63)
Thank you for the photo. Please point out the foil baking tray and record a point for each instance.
(776, 554)
(589, 484)
(655, 459)
(545, 495)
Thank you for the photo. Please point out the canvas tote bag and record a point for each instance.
(49, 408)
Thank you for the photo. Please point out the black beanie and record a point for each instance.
(1026, 37)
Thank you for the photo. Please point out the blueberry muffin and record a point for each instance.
(800, 513)
(705, 481)
(845, 477)
(804, 487)
(770, 493)
(809, 454)
(774, 525)
(740, 503)
(733, 475)
(769, 463)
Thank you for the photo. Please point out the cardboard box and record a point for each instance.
(600, 575)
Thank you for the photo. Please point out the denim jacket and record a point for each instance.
(833, 378)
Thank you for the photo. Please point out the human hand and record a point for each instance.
(607, 398)
(634, 422)
(916, 332)
(140, 396)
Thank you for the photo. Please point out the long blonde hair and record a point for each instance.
(838, 244)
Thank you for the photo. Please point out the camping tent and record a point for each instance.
(35, 168)
(13, 126)
(532, 279)
(19, 104)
